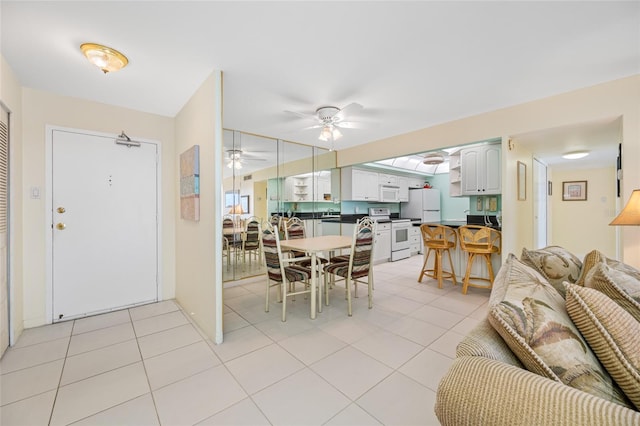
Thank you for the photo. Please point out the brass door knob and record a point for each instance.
(61, 226)
(61, 210)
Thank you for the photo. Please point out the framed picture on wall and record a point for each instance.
(522, 181)
(574, 190)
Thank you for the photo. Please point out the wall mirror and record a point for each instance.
(264, 177)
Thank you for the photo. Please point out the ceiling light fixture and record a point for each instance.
(575, 155)
(105, 58)
(433, 158)
(329, 133)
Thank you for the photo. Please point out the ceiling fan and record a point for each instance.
(330, 119)
(236, 156)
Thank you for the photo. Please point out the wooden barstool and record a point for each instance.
(482, 241)
(438, 239)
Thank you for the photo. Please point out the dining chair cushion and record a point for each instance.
(612, 333)
(342, 269)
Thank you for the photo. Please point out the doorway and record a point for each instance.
(539, 204)
(104, 243)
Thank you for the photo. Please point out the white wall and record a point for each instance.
(198, 244)
(40, 109)
(581, 226)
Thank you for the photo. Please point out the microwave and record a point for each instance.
(389, 193)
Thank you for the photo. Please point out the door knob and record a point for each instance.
(61, 226)
(61, 210)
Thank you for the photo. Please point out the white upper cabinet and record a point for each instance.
(480, 170)
(359, 185)
(403, 183)
(415, 182)
(455, 172)
(386, 179)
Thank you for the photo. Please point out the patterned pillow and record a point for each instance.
(533, 321)
(621, 287)
(555, 263)
(595, 257)
(612, 333)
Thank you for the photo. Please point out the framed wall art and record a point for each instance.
(574, 190)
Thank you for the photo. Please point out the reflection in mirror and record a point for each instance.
(265, 177)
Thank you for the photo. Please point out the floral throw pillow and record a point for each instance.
(612, 333)
(595, 257)
(555, 263)
(533, 321)
(621, 286)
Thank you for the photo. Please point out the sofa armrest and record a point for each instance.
(481, 391)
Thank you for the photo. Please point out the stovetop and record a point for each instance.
(383, 214)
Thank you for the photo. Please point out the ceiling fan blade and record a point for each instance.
(304, 115)
(351, 124)
(352, 108)
(317, 126)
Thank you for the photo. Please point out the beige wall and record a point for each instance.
(617, 98)
(575, 222)
(198, 268)
(11, 96)
(40, 109)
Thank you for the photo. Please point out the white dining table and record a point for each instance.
(314, 245)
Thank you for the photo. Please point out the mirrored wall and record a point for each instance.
(264, 177)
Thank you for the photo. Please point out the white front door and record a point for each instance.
(104, 224)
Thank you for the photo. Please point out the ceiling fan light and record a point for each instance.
(337, 134)
(325, 134)
(105, 58)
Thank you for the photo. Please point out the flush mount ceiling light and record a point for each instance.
(105, 58)
(575, 155)
(433, 158)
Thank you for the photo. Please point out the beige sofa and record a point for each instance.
(488, 383)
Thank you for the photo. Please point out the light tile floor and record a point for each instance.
(150, 365)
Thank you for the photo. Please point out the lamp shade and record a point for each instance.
(237, 209)
(630, 214)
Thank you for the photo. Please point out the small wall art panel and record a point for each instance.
(190, 184)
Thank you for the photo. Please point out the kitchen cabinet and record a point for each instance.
(403, 183)
(455, 179)
(481, 170)
(382, 243)
(297, 188)
(415, 240)
(330, 228)
(359, 185)
(322, 186)
(386, 179)
(415, 182)
(313, 227)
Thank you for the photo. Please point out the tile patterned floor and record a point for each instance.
(150, 365)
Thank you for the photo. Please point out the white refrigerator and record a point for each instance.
(424, 204)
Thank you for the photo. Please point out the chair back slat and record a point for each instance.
(252, 233)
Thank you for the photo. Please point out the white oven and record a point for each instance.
(400, 240)
(389, 193)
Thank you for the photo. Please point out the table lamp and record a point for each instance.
(630, 214)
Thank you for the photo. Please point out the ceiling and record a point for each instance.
(410, 64)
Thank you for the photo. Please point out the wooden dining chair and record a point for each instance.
(282, 272)
(358, 270)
